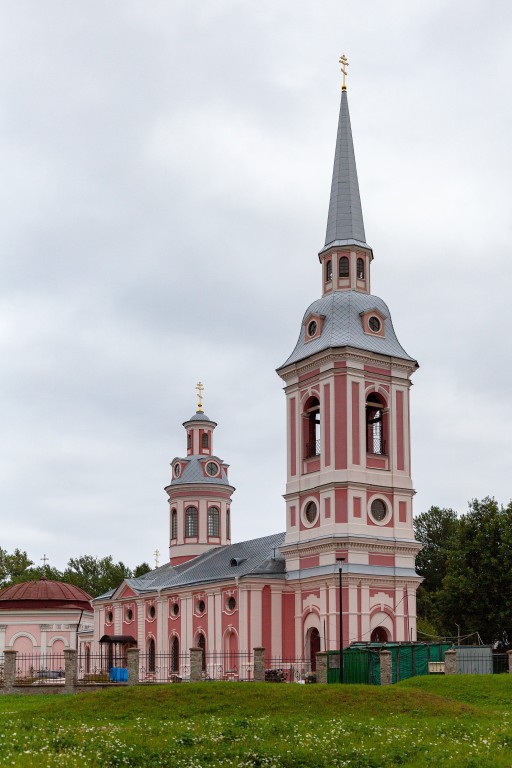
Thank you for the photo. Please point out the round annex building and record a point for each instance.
(43, 616)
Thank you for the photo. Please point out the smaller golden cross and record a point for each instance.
(200, 389)
(157, 556)
(344, 65)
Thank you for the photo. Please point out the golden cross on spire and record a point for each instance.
(344, 65)
(200, 389)
(157, 556)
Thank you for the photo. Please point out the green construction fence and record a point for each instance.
(361, 661)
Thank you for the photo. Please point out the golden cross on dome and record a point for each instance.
(157, 556)
(344, 65)
(200, 389)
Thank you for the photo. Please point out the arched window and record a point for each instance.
(213, 521)
(228, 524)
(344, 267)
(189, 440)
(328, 270)
(375, 438)
(174, 524)
(151, 655)
(175, 655)
(204, 440)
(312, 428)
(191, 522)
(360, 269)
(201, 643)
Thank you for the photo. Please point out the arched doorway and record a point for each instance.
(314, 646)
(379, 635)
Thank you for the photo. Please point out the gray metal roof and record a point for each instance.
(345, 218)
(200, 416)
(192, 471)
(343, 327)
(255, 557)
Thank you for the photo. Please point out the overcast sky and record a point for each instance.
(164, 181)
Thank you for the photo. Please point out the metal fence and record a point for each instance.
(40, 669)
(93, 668)
(164, 667)
(1, 669)
(289, 670)
(228, 666)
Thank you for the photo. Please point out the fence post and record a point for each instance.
(450, 662)
(386, 667)
(132, 655)
(509, 654)
(321, 667)
(69, 670)
(196, 664)
(259, 665)
(9, 669)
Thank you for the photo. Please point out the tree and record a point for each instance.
(477, 588)
(140, 570)
(96, 575)
(18, 567)
(436, 529)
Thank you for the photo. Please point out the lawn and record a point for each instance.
(459, 721)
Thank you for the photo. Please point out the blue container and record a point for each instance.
(119, 675)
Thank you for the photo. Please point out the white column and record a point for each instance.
(299, 640)
(276, 607)
(333, 615)
(365, 612)
(256, 618)
(353, 613)
(118, 619)
(243, 622)
(161, 626)
(3, 629)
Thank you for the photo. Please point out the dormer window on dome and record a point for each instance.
(212, 469)
(373, 322)
(313, 327)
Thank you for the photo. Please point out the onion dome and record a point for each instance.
(44, 594)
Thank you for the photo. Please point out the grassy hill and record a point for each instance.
(459, 721)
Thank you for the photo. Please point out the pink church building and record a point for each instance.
(348, 489)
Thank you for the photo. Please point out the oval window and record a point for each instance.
(129, 614)
(175, 609)
(200, 606)
(374, 324)
(151, 611)
(378, 510)
(311, 512)
(231, 603)
(177, 470)
(312, 327)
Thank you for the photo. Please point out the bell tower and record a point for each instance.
(199, 493)
(347, 383)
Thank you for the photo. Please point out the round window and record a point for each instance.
(212, 468)
(129, 614)
(310, 513)
(312, 328)
(378, 510)
(110, 617)
(374, 324)
(177, 470)
(231, 603)
(151, 611)
(175, 609)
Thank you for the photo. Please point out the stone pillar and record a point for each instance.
(509, 654)
(450, 662)
(9, 669)
(386, 667)
(196, 664)
(259, 665)
(132, 655)
(70, 670)
(321, 667)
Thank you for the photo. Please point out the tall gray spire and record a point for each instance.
(345, 219)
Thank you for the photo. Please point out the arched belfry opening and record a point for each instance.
(311, 427)
(375, 424)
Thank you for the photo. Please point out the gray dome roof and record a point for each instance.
(200, 416)
(343, 327)
(192, 471)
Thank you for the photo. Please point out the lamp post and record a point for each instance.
(341, 560)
